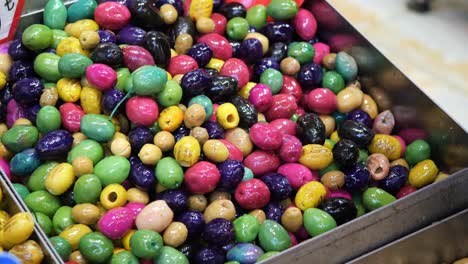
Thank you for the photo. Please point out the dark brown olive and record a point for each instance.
(357, 132)
(183, 25)
(108, 53)
(310, 128)
(222, 89)
(247, 112)
(158, 45)
(341, 209)
(345, 152)
(232, 9)
(145, 14)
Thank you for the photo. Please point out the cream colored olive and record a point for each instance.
(378, 166)
(200, 134)
(150, 154)
(82, 165)
(175, 234)
(220, 209)
(164, 140)
(194, 116)
(183, 43)
(121, 147)
(78, 137)
(333, 180)
(205, 25)
(168, 14)
(155, 216)
(259, 214)
(292, 219)
(197, 202)
(369, 106)
(137, 195)
(22, 121)
(87, 213)
(329, 123)
(241, 139)
(49, 97)
(349, 99)
(219, 195)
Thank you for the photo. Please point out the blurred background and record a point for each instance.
(430, 47)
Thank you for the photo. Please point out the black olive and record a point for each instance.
(145, 14)
(345, 152)
(278, 51)
(232, 9)
(183, 25)
(108, 53)
(357, 132)
(68, 198)
(341, 209)
(247, 112)
(158, 45)
(222, 89)
(311, 129)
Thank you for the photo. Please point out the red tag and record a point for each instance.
(10, 14)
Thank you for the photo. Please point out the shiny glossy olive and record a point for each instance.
(341, 209)
(157, 43)
(223, 88)
(145, 14)
(345, 152)
(232, 9)
(310, 128)
(357, 132)
(247, 112)
(107, 53)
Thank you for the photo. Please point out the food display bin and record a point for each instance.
(16, 205)
(412, 109)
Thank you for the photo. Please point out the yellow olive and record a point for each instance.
(22, 121)
(28, 252)
(197, 202)
(74, 233)
(150, 154)
(316, 157)
(17, 229)
(220, 209)
(175, 234)
(87, 214)
(259, 214)
(76, 256)
(333, 180)
(187, 151)
(292, 219)
(82, 165)
(137, 195)
(60, 179)
(215, 150)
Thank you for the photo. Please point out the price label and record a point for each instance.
(10, 14)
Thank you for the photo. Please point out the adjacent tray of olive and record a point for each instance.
(412, 108)
(15, 205)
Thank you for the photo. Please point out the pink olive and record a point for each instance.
(322, 101)
(305, 24)
(291, 149)
(142, 110)
(135, 208)
(181, 64)
(101, 76)
(411, 134)
(136, 56)
(291, 86)
(297, 174)
(116, 222)
(112, 15)
(283, 106)
(262, 162)
(234, 152)
(237, 69)
(261, 97)
(321, 50)
(14, 112)
(338, 193)
(71, 115)
(265, 136)
(384, 123)
(285, 126)
(202, 177)
(218, 44)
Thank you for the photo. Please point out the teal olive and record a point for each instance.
(124, 257)
(339, 117)
(333, 166)
(57, 36)
(55, 14)
(20, 137)
(363, 155)
(44, 222)
(246, 228)
(87, 189)
(273, 78)
(333, 81)
(154, 129)
(21, 190)
(97, 127)
(149, 80)
(346, 66)
(37, 178)
(42, 202)
(374, 198)
(248, 174)
(62, 246)
(282, 9)
(48, 119)
(96, 248)
(317, 221)
(237, 28)
(62, 219)
(86, 148)
(257, 16)
(73, 65)
(417, 151)
(301, 51)
(46, 66)
(169, 173)
(357, 200)
(113, 169)
(171, 255)
(128, 85)
(232, 262)
(204, 101)
(81, 9)
(171, 94)
(146, 244)
(122, 76)
(25, 162)
(37, 37)
(267, 255)
(273, 237)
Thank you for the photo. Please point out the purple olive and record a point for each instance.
(210, 256)
(278, 185)
(31, 112)
(195, 83)
(107, 36)
(214, 129)
(266, 63)
(236, 46)
(219, 232)
(310, 75)
(21, 69)
(54, 145)
(232, 172)
(189, 249)
(193, 221)
(273, 211)
(357, 177)
(181, 132)
(131, 35)
(28, 91)
(18, 51)
(142, 176)
(361, 117)
(395, 179)
(223, 88)
(201, 52)
(251, 50)
(111, 98)
(278, 51)
(278, 32)
(138, 137)
(177, 200)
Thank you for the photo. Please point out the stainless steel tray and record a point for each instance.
(412, 108)
(16, 204)
(442, 242)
